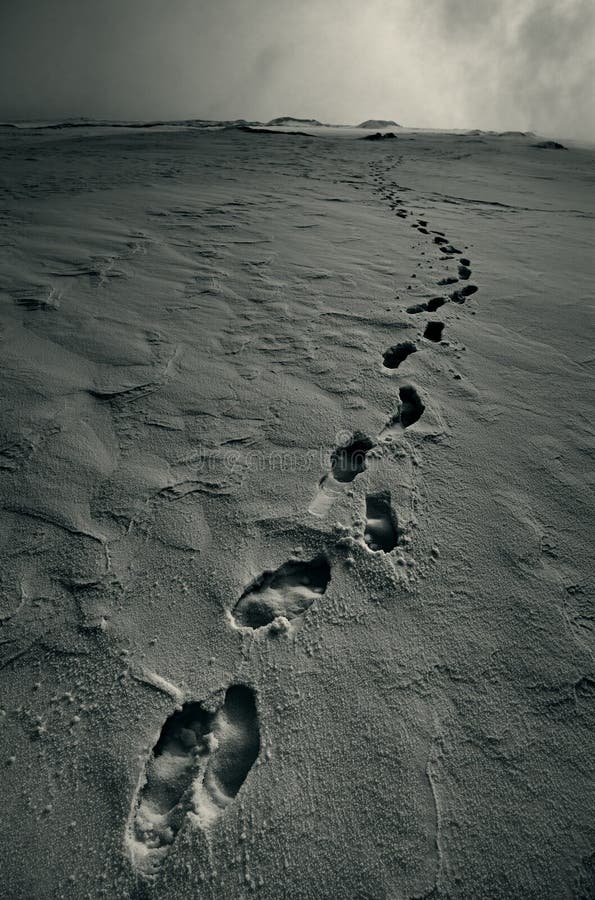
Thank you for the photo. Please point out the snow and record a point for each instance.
(194, 323)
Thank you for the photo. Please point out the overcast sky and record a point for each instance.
(501, 64)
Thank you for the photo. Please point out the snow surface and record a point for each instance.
(209, 397)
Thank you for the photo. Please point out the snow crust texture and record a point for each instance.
(295, 516)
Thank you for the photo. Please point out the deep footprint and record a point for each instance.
(394, 356)
(410, 410)
(287, 591)
(349, 460)
(461, 295)
(198, 765)
(435, 303)
(434, 331)
(382, 530)
(412, 407)
(469, 289)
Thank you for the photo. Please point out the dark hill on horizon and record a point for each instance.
(378, 123)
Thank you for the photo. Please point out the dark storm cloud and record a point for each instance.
(503, 64)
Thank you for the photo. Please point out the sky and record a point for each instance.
(491, 64)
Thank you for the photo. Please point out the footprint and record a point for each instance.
(198, 765)
(448, 248)
(410, 410)
(287, 591)
(418, 308)
(433, 331)
(449, 280)
(435, 303)
(464, 272)
(349, 460)
(464, 261)
(461, 295)
(164, 798)
(469, 289)
(394, 356)
(382, 531)
(440, 240)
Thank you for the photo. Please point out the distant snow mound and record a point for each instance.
(378, 123)
(291, 120)
(549, 145)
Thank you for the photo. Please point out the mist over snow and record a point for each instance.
(511, 64)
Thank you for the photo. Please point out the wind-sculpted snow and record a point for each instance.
(287, 607)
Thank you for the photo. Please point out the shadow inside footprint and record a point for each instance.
(434, 331)
(435, 303)
(394, 356)
(461, 295)
(382, 531)
(349, 460)
(469, 289)
(198, 765)
(412, 408)
(287, 591)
